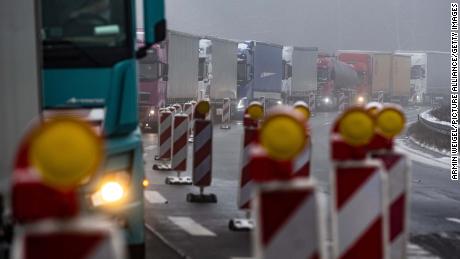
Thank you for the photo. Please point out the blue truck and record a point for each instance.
(89, 69)
(259, 73)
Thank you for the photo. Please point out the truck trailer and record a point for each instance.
(301, 82)
(259, 73)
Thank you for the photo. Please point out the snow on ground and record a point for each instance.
(444, 152)
(423, 157)
(427, 116)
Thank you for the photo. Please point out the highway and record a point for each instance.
(201, 230)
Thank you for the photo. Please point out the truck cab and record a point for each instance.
(89, 70)
(204, 68)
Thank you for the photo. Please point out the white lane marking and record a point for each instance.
(416, 252)
(154, 197)
(191, 227)
(453, 220)
(151, 147)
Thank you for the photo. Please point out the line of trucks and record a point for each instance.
(186, 67)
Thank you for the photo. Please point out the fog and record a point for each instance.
(327, 24)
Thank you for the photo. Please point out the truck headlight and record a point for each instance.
(112, 191)
(152, 112)
(360, 99)
(240, 105)
(279, 102)
(326, 100)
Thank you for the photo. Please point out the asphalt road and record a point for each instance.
(201, 230)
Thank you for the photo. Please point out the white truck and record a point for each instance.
(182, 67)
(300, 79)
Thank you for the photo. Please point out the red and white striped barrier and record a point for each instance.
(288, 221)
(359, 218)
(179, 150)
(202, 160)
(226, 114)
(398, 170)
(246, 182)
(342, 102)
(85, 238)
(165, 136)
(178, 107)
(188, 109)
(301, 164)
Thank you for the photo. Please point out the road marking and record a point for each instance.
(191, 227)
(453, 220)
(416, 252)
(154, 197)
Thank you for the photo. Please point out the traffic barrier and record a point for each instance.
(358, 190)
(179, 150)
(202, 154)
(165, 141)
(253, 114)
(80, 238)
(172, 109)
(301, 163)
(226, 108)
(178, 107)
(390, 122)
(192, 121)
(288, 220)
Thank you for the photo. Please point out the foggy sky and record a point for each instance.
(328, 24)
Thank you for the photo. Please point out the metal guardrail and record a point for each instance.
(434, 126)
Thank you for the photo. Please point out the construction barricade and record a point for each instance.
(178, 107)
(188, 109)
(202, 154)
(192, 121)
(358, 190)
(164, 141)
(226, 110)
(45, 199)
(286, 209)
(179, 150)
(389, 123)
(251, 119)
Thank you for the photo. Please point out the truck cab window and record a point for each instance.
(242, 71)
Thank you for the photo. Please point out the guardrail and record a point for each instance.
(438, 127)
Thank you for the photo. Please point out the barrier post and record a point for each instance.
(390, 122)
(251, 119)
(286, 208)
(358, 190)
(192, 122)
(178, 107)
(202, 155)
(164, 141)
(179, 150)
(226, 109)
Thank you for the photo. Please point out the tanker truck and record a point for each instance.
(334, 78)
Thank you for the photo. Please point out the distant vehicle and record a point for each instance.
(334, 78)
(204, 68)
(89, 68)
(259, 73)
(418, 75)
(400, 90)
(300, 77)
(153, 69)
(183, 56)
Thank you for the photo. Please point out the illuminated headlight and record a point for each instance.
(111, 191)
(146, 125)
(360, 99)
(326, 100)
(152, 112)
(279, 102)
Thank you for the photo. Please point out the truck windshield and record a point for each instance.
(84, 27)
(242, 72)
(323, 74)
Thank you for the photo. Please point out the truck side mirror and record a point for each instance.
(154, 25)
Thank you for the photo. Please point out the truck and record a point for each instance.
(89, 67)
(153, 70)
(417, 75)
(259, 73)
(300, 81)
(334, 78)
(400, 79)
(204, 68)
(183, 64)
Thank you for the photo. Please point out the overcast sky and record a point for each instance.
(327, 24)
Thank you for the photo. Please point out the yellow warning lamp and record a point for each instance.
(283, 133)
(202, 109)
(255, 110)
(390, 121)
(65, 151)
(356, 127)
(302, 107)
